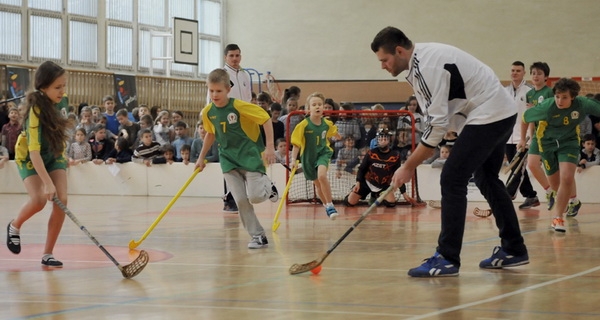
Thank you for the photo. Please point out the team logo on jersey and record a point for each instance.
(541, 99)
(232, 118)
(575, 115)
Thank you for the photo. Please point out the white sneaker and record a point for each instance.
(258, 242)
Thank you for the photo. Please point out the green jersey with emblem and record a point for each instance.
(313, 139)
(237, 131)
(535, 97)
(558, 127)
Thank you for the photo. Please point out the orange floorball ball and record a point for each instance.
(316, 270)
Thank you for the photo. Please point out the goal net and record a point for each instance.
(357, 128)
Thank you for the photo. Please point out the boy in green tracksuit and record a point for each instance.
(557, 136)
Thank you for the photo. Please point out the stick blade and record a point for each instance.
(275, 226)
(301, 268)
(134, 244)
(134, 268)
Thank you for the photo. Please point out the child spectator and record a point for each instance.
(162, 133)
(121, 153)
(181, 138)
(264, 101)
(291, 106)
(347, 127)
(241, 152)
(281, 150)
(176, 116)
(3, 156)
(213, 153)
(148, 152)
(185, 154)
(444, 154)
(169, 153)
(112, 124)
(11, 131)
(589, 155)
(278, 127)
(80, 150)
(96, 114)
(375, 174)
(310, 141)
(346, 154)
(144, 110)
(351, 165)
(85, 120)
(127, 129)
(100, 146)
(145, 123)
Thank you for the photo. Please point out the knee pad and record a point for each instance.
(388, 204)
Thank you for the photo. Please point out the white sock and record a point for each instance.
(329, 205)
(47, 256)
(13, 230)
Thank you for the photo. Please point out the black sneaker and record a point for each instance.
(13, 241)
(229, 208)
(274, 193)
(51, 262)
(529, 203)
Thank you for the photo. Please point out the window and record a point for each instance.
(121, 10)
(44, 44)
(83, 42)
(83, 8)
(152, 12)
(10, 34)
(119, 46)
(50, 5)
(210, 52)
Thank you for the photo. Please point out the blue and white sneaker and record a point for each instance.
(331, 212)
(573, 208)
(501, 259)
(435, 266)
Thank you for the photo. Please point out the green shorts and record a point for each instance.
(310, 171)
(50, 163)
(534, 147)
(553, 156)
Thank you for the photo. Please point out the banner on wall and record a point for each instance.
(126, 95)
(18, 82)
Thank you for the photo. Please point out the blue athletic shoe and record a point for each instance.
(501, 259)
(435, 266)
(573, 208)
(331, 212)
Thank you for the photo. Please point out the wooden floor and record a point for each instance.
(200, 267)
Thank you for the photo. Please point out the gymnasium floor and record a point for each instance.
(200, 267)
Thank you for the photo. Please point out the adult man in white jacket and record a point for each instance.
(458, 92)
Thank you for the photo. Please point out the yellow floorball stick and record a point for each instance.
(276, 222)
(133, 244)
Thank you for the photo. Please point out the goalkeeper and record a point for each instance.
(375, 173)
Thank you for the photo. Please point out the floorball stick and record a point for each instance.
(301, 268)
(133, 244)
(129, 271)
(276, 222)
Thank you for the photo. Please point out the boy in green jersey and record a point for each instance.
(557, 136)
(540, 71)
(310, 139)
(235, 125)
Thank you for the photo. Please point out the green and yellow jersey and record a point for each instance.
(312, 139)
(558, 127)
(237, 131)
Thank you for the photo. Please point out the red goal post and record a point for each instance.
(342, 175)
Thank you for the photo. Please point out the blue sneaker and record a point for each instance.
(550, 197)
(573, 208)
(435, 266)
(501, 259)
(331, 212)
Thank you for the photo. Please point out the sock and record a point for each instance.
(47, 257)
(13, 230)
(329, 205)
(573, 199)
